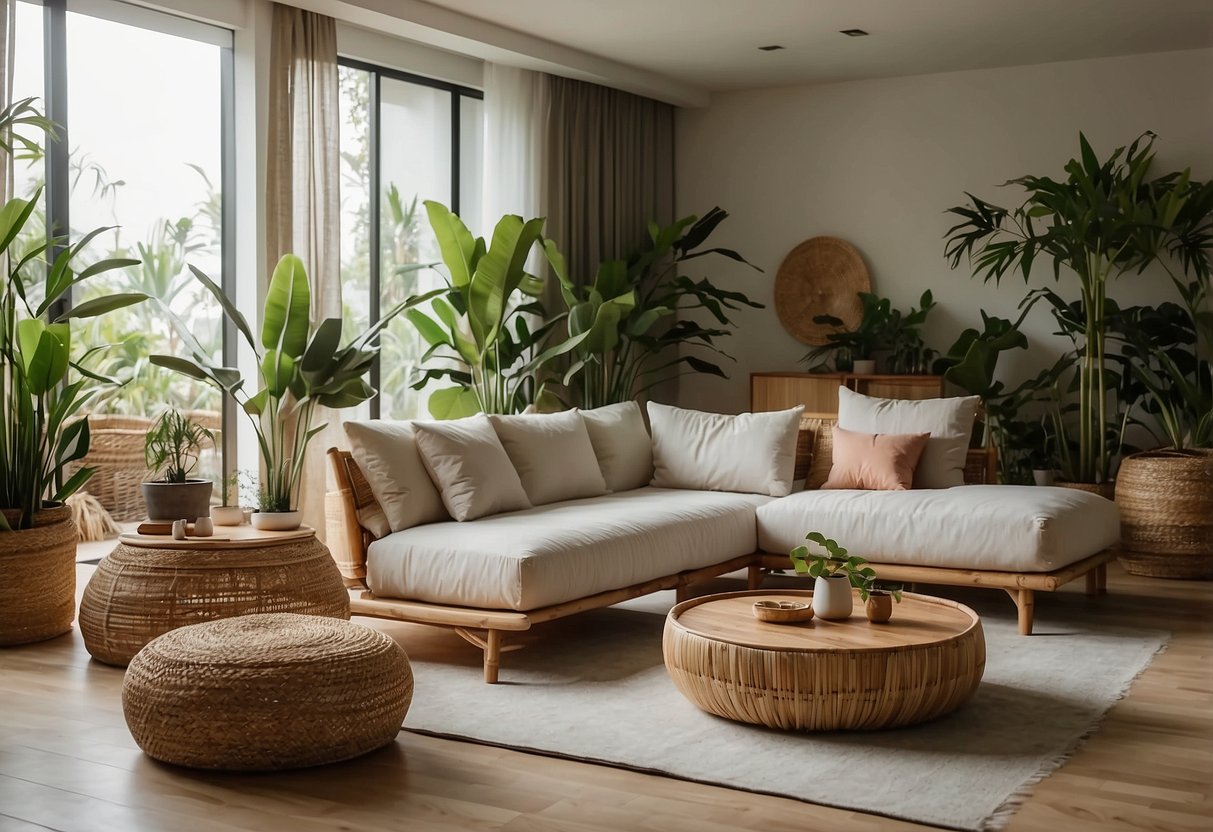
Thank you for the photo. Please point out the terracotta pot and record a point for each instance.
(832, 597)
(879, 607)
(1166, 514)
(1107, 490)
(38, 578)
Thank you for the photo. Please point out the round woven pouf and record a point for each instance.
(266, 692)
(150, 585)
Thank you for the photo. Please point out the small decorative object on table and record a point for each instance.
(230, 513)
(834, 574)
(782, 612)
(878, 600)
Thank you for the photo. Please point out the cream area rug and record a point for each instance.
(594, 688)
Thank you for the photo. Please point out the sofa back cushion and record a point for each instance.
(473, 473)
(948, 421)
(552, 454)
(405, 496)
(752, 453)
(875, 461)
(621, 444)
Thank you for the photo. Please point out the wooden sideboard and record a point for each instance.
(818, 392)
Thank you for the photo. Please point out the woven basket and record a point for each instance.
(116, 451)
(1107, 490)
(266, 692)
(1166, 514)
(38, 579)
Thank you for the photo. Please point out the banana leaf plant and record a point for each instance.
(632, 318)
(301, 366)
(44, 391)
(1103, 220)
(484, 335)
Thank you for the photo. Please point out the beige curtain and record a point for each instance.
(609, 170)
(303, 201)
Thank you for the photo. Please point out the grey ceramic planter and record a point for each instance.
(187, 500)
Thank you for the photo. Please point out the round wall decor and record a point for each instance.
(821, 276)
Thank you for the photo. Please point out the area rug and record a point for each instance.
(595, 689)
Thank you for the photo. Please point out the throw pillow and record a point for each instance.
(621, 443)
(386, 453)
(754, 453)
(875, 461)
(471, 469)
(552, 454)
(949, 421)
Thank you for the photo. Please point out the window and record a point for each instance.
(140, 99)
(404, 140)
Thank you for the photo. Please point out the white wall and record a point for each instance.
(878, 162)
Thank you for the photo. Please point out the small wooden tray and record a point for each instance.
(782, 612)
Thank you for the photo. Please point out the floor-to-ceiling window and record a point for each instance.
(404, 140)
(141, 101)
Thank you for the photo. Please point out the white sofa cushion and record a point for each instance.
(563, 551)
(949, 421)
(386, 453)
(552, 454)
(621, 443)
(993, 527)
(752, 453)
(472, 471)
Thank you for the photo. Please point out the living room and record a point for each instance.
(607, 415)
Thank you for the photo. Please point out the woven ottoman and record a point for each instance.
(266, 692)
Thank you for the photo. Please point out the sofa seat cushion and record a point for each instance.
(560, 552)
(1001, 528)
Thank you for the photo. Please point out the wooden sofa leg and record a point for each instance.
(1101, 579)
(1092, 577)
(1025, 602)
(492, 656)
(754, 576)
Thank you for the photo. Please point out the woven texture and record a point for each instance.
(1107, 490)
(137, 594)
(38, 578)
(266, 692)
(821, 276)
(1166, 514)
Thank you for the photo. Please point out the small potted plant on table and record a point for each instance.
(231, 513)
(878, 599)
(171, 449)
(834, 574)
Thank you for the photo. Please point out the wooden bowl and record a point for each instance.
(782, 612)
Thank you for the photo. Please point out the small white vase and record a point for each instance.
(863, 366)
(832, 597)
(277, 521)
(227, 515)
(1043, 476)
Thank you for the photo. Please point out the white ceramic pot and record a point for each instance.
(863, 366)
(227, 515)
(832, 597)
(1043, 476)
(277, 521)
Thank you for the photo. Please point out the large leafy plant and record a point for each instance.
(44, 391)
(301, 367)
(1103, 220)
(629, 329)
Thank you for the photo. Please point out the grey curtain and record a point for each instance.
(303, 198)
(609, 169)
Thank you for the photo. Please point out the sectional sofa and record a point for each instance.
(703, 496)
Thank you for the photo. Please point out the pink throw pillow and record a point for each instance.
(875, 461)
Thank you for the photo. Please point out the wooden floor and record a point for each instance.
(68, 763)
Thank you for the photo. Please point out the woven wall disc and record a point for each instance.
(821, 276)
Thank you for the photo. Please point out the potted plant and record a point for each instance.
(878, 599)
(231, 512)
(171, 450)
(833, 573)
(301, 366)
(1103, 220)
(880, 328)
(44, 392)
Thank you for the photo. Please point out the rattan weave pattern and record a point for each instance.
(38, 578)
(266, 692)
(1166, 514)
(139, 593)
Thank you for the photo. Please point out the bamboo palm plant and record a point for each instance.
(1103, 220)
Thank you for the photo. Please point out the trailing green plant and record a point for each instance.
(480, 333)
(301, 366)
(881, 327)
(1103, 220)
(631, 326)
(172, 446)
(44, 390)
(834, 561)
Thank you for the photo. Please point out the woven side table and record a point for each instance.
(152, 584)
(266, 692)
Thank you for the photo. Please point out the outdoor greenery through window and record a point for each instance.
(403, 140)
(144, 135)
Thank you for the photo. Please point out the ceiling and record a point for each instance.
(713, 44)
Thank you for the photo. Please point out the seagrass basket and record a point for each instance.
(116, 451)
(38, 578)
(1166, 513)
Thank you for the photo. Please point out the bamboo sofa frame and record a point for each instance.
(487, 628)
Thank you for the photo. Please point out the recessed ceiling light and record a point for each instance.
(853, 33)
(774, 47)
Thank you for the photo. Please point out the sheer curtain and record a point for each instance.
(515, 113)
(8, 25)
(303, 202)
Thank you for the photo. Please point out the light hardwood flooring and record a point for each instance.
(67, 761)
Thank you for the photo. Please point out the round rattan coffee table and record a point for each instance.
(151, 584)
(824, 675)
